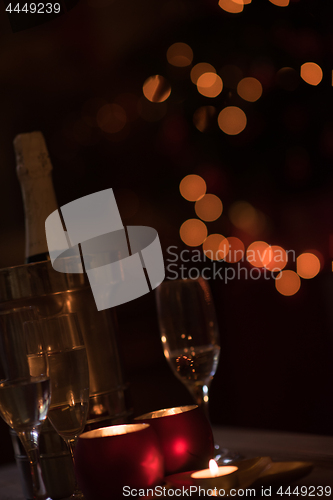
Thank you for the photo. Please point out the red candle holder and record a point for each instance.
(185, 436)
(110, 458)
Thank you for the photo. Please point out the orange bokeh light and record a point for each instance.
(311, 73)
(276, 259)
(199, 69)
(111, 118)
(156, 88)
(193, 232)
(258, 252)
(209, 84)
(307, 265)
(234, 7)
(209, 207)
(192, 187)
(215, 247)
(280, 3)
(232, 120)
(236, 250)
(249, 89)
(245, 217)
(287, 283)
(180, 55)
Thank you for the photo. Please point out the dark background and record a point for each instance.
(275, 369)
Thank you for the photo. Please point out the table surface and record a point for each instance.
(250, 443)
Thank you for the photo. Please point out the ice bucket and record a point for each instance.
(51, 292)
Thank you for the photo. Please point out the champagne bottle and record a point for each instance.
(34, 173)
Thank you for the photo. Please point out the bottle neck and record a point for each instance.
(34, 173)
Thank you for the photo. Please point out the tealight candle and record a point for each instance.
(110, 458)
(222, 478)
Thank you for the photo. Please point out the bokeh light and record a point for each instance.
(209, 207)
(193, 232)
(276, 259)
(245, 217)
(215, 247)
(203, 117)
(180, 55)
(249, 89)
(287, 283)
(232, 6)
(280, 3)
(311, 73)
(307, 265)
(236, 250)
(209, 84)
(111, 118)
(156, 88)
(192, 187)
(90, 109)
(199, 69)
(232, 120)
(129, 102)
(258, 252)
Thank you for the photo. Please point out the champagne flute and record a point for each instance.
(24, 386)
(69, 376)
(189, 334)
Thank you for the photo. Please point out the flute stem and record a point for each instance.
(29, 439)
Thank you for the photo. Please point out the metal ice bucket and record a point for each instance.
(52, 292)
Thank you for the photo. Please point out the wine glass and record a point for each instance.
(24, 386)
(189, 334)
(69, 376)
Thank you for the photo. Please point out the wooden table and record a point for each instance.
(250, 443)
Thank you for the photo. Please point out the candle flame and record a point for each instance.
(213, 467)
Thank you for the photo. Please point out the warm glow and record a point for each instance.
(245, 217)
(236, 250)
(114, 430)
(307, 265)
(280, 3)
(209, 84)
(249, 89)
(180, 54)
(287, 283)
(203, 117)
(192, 187)
(213, 471)
(111, 118)
(199, 69)
(234, 7)
(232, 120)
(193, 232)
(209, 207)
(166, 412)
(258, 252)
(156, 89)
(311, 73)
(276, 259)
(215, 247)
